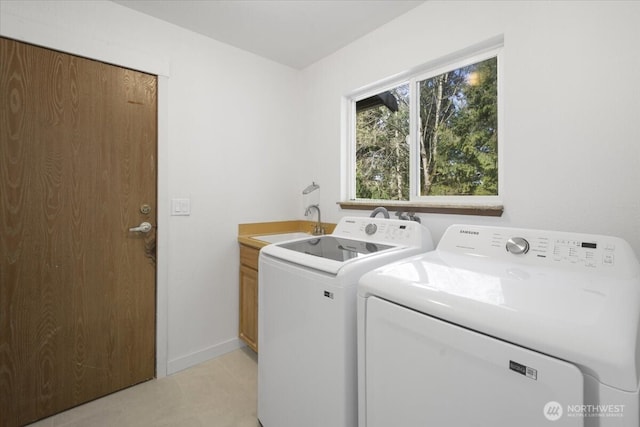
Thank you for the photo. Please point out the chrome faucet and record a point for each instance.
(318, 229)
(381, 210)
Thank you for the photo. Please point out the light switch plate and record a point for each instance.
(180, 207)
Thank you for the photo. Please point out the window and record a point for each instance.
(382, 145)
(429, 137)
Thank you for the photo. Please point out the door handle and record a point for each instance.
(144, 227)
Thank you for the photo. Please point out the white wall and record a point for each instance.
(572, 106)
(229, 137)
(241, 136)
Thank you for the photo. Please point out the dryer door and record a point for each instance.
(421, 371)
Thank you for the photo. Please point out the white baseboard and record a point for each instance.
(198, 357)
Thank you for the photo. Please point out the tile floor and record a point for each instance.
(218, 393)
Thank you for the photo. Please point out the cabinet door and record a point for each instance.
(249, 306)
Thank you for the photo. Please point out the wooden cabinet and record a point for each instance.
(249, 296)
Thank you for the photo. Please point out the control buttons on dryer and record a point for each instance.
(608, 258)
(517, 246)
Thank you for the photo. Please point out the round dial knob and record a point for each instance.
(370, 229)
(517, 246)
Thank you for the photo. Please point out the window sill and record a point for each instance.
(478, 210)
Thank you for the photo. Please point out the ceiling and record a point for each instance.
(296, 33)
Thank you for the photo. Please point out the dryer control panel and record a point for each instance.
(539, 247)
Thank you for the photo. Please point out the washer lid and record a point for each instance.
(327, 253)
(335, 248)
(587, 318)
(355, 239)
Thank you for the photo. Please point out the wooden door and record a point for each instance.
(77, 288)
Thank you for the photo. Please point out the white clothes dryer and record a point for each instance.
(307, 365)
(502, 327)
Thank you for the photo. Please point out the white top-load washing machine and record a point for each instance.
(307, 365)
(502, 327)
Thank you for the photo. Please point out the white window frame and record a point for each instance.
(490, 49)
